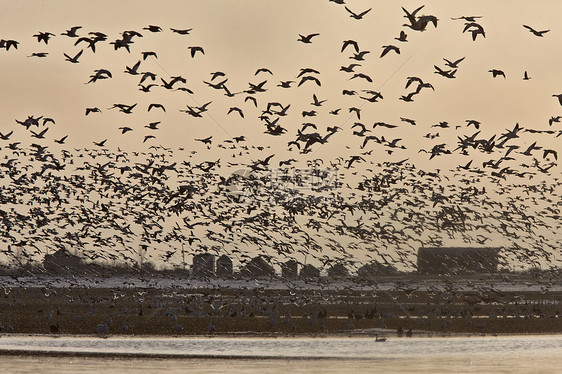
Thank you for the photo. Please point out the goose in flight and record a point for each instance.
(43, 36)
(194, 50)
(475, 29)
(134, 69)
(6, 136)
(316, 102)
(263, 70)
(125, 129)
(236, 109)
(149, 53)
(257, 87)
(205, 140)
(71, 33)
(535, 32)
(496, 72)
(453, 64)
(349, 69)
(352, 160)
(408, 120)
(160, 106)
(153, 125)
(355, 15)
(61, 140)
(285, 84)
(352, 43)
(388, 48)
(467, 18)
(309, 78)
(359, 56)
(8, 44)
(74, 59)
(153, 28)
(307, 71)
(92, 110)
(181, 32)
(419, 23)
(402, 37)
(91, 43)
(446, 73)
(408, 98)
(99, 74)
(306, 38)
(40, 135)
(146, 88)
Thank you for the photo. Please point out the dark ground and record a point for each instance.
(183, 311)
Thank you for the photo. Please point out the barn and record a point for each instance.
(258, 267)
(203, 265)
(224, 267)
(458, 260)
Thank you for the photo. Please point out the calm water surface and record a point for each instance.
(512, 354)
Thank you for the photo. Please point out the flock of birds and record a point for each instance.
(239, 198)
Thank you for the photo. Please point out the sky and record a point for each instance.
(240, 37)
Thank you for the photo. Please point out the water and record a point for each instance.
(505, 354)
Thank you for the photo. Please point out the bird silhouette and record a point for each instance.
(74, 59)
(536, 33)
(194, 49)
(357, 16)
(306, 38)
(496, 72)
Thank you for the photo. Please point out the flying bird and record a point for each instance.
(180, 31)
(453, 64)
(309, 78)
(402, 37)
(475, 29)
(359, 56)
(388, 48)
(306, 38)
(125, 129)
(153, 28)
(236, 109)
(71, 33)
(357, 16)
(43, 36)
(158, 106)
(263, 70)
(8, 44)
(74, 59)
(93, 110)
(352, 43)
(61, 140)
(535, 32)
(145, 55)
(316, 102)
(39, 54)
(496, 72)
(194, 50)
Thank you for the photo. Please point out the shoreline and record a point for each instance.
(92, 353)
